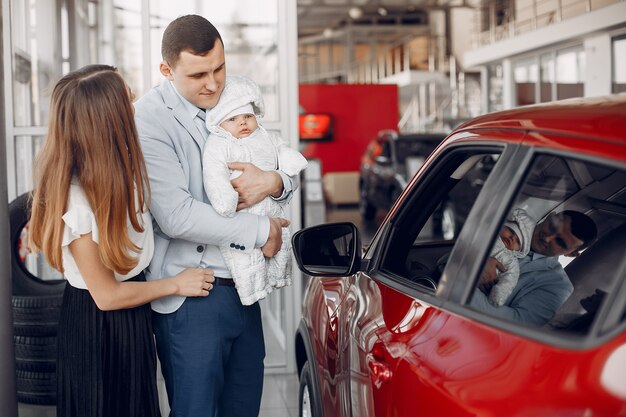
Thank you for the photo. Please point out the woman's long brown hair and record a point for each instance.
(91, 137)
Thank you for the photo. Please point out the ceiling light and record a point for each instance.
(355, 12)
(328, 33)
(382, 11)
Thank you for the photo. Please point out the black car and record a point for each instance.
(389, 162)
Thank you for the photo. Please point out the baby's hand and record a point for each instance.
(194, 282)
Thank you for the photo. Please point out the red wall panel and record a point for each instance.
(359, 111)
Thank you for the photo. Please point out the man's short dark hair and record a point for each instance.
(190, 33)
(583, 227)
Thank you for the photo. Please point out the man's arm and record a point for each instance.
(534, 306)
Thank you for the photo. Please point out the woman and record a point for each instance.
(90, 218)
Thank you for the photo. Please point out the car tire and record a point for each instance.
(308, 404)
(25, 283)
(36, 387)
(36, 316)
(35, 354)
(368, 211)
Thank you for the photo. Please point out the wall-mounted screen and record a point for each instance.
(316, 127)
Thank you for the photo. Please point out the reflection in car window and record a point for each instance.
(562, 291)
(435, 214)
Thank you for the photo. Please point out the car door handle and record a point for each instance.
(380, 372)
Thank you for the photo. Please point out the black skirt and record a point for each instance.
(106, 362)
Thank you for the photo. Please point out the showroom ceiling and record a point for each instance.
(317, 16)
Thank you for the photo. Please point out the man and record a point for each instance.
(211, 349)
(543, 285)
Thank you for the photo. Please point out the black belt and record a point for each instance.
(225, 282)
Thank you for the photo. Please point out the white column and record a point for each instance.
(598, 65)
(8, 399)
(508, 85)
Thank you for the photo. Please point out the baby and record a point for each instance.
(512, 244)
(236, 136)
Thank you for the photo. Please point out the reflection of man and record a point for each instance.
(543, 285)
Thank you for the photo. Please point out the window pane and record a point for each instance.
(36, 62)
(26, 148)
(547, 281)
(547, 78)
(619, 65)
(162, 12)
(570, 72)
(526, 74)
(496, 83)
(128, 43)
(249, 29)
(424, 237)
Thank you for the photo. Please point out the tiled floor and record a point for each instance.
(280, 396)
(280, 399)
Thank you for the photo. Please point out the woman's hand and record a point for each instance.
(194, 282)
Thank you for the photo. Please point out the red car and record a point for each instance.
(396, 330)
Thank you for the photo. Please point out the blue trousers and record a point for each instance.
(211, 351)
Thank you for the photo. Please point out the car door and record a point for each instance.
(397, 304)
(439, 352)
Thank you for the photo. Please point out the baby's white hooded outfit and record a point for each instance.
(254, 275)
(523, 226)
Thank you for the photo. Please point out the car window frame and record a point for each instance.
(417, 188)
(467, 242)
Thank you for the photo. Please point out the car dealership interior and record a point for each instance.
(382, 98)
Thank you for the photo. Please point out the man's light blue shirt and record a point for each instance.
(542, 288)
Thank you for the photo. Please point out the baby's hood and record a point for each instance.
(523, 225)
(238, 91)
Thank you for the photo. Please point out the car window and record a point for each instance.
(551, 281)
(386, 149)
(433, 215)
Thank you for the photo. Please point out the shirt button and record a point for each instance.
(200, 248)
(243, 248)
(232, 245)
(237, 247)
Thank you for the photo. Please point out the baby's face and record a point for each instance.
(510, 239)
(240, 126)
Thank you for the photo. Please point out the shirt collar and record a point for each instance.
(189, 107)
(534, 255)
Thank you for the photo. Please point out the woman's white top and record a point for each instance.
(79, 220)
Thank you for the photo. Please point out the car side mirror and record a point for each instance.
(328, 250)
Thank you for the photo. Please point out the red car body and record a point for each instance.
(373, 344)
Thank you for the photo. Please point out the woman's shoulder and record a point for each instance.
(76, 196)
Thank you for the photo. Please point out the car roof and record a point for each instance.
(599, 117)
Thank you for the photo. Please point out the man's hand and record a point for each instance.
(489, 277)
(275, 239)
(254, 184)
